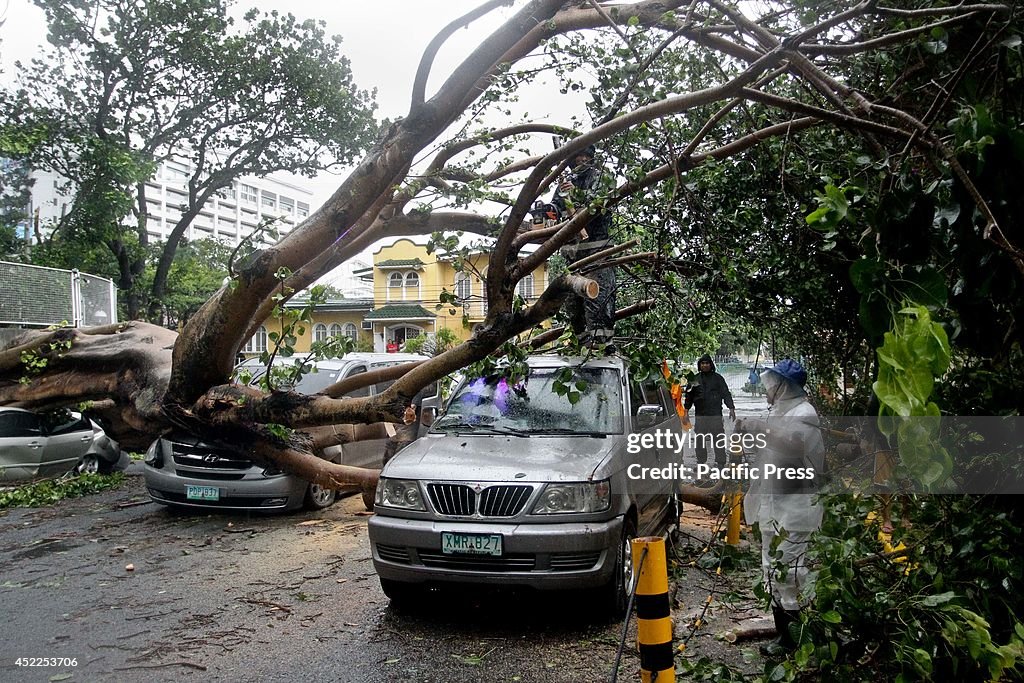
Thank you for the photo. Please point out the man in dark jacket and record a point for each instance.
(592, 319)
(706, 395)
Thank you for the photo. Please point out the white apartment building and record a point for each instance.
(228, 216)
(344, 277)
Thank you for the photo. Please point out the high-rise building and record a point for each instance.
(230, 215)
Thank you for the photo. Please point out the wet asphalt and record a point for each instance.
(236, 597)
(130, 591)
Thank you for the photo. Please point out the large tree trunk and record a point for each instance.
(148, 380)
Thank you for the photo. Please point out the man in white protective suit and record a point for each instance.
(782, 499)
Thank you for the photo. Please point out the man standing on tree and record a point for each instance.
(706, 395)
(592, 320)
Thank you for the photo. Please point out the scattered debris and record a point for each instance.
(191, 665)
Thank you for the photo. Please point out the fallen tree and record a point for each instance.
(147, 380)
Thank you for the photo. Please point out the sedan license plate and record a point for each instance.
(471, 544)
(202, 493)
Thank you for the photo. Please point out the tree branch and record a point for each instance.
(419, 86)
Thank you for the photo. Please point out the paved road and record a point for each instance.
(245, 598)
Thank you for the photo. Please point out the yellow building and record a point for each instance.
(334, 318)
(407, 284)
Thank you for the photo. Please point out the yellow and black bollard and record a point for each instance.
(734, 500)
(653, 613)
(732, 527)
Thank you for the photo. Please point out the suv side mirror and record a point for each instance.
(648, 415)
(427, 416)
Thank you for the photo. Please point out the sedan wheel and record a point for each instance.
(318, 497)
(93, 464)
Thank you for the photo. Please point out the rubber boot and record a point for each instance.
(784, 644)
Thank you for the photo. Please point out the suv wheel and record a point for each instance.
(318, 498)
(616, 592)
(672, 515)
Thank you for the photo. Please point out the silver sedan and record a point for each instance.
(44, 445)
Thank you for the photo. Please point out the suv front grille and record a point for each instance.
(459, 500)
(452, 499)
(503, 501)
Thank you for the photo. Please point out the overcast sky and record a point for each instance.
(383, 39)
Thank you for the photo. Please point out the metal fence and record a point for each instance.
(38, 296)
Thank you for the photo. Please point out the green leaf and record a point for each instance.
(939, 599)
(923, 660)
(926, 287)
(832, 617)
(873, 314)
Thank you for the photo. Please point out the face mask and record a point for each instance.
(772, 386)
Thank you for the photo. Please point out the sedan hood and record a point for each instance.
(500, 458)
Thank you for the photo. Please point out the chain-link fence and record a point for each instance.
(37, 296)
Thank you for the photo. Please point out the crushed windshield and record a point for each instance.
(315, 382)
(532, 407)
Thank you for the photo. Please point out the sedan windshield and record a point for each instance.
(531, 406)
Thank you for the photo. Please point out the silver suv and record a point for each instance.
(516, 484)
(182, 471)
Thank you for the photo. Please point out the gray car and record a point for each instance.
(183, 471)
(517, 484)
(49, 444)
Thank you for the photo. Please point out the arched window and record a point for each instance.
(335, 330)
(525, 287)
(395, 280)
(350, 331)
(319, 332)
(412, 280)
(463, 286)
(258, 343)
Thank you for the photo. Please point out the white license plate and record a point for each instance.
(470, 544)
(202, 493)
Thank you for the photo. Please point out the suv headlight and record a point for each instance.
(403, 494)
(581, 497)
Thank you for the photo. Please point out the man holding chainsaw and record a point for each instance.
(593, 320)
